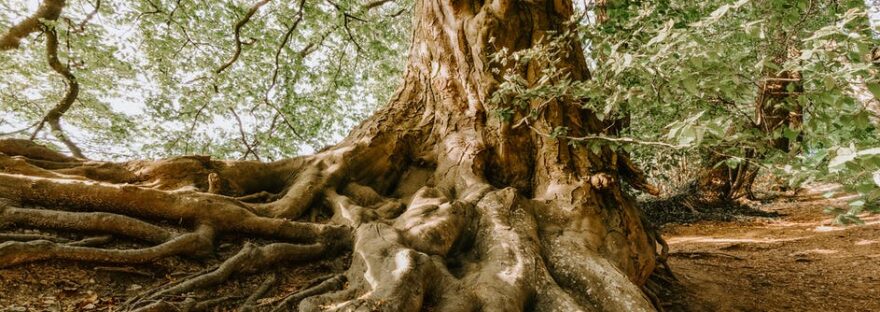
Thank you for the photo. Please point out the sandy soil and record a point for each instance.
(798, 261)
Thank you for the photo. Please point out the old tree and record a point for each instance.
(438, 204)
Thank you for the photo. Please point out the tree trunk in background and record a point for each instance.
(721, 182)
(442, 206)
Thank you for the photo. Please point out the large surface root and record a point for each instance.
(196, 243)
(456, 245)
(65, 195)
(84, 222)
(482, 254)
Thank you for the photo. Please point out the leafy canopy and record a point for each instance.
(307, 72)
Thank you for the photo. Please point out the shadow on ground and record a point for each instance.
(785, 255)
(681, 209)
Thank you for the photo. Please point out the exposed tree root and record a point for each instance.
(251, 257)
(332, 283)
(196, 243)
(33, 151)
(4, 237)
(188, 305)
(462, 246)
(84, 221)
(251, 302)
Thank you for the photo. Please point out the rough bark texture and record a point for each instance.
(442, 207)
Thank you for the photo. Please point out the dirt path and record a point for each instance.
(799, 261)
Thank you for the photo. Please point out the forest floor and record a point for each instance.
(780, 255)
(77, 286)
(787, 255)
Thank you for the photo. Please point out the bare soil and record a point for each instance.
(798, 260)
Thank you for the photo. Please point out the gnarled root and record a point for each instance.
(250, 258)
(483, 254)
(444, 246)
(120, 209)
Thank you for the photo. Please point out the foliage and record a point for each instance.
(688, 73)
(148, 71)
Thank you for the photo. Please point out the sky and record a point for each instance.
(874, 15)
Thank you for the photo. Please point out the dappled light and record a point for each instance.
(779, 263)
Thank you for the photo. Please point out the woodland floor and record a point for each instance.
(797, 260)
(75, 286)
(784, 255)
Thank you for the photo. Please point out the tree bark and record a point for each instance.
(442, 206)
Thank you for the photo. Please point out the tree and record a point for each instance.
(439, 204)
(776, 109)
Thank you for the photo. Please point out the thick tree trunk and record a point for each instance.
(443, 207)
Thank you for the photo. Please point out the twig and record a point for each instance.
(82, 25)
(250, 149)
(128, 270)
(332, 283)
(92, 241)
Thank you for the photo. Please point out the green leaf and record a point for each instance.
(690, 84)
(875, 89)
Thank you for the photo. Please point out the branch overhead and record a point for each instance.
(48, 10)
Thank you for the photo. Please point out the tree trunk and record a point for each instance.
(718, 181)
(442, 207)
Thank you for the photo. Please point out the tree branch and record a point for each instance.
(284, 40)
(243, 21)
(53, 117)
(610, 139)
(250, 149)
(49, 10)
(375, 4)
(82, 25)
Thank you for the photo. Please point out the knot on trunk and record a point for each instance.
(601, 180)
